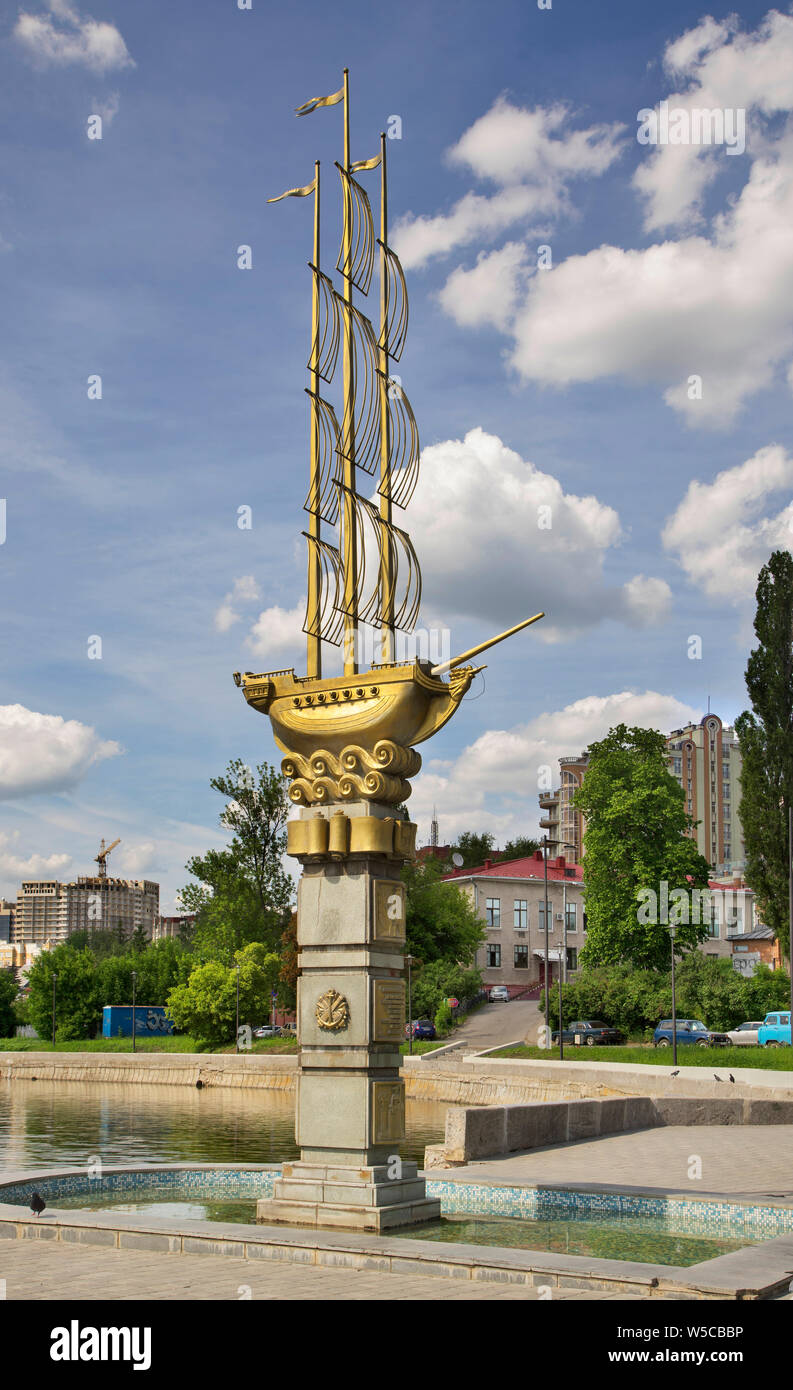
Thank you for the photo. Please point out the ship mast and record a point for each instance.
(387, 576)
(349, 517)
(314, 637)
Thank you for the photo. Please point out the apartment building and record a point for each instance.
(510, 897)
(48, 911)
(705, 759)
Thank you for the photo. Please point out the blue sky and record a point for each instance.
(118, 257)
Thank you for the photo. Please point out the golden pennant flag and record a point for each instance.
(315, 102)
(296, 192)
(361, 165)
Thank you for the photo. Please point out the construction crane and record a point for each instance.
(101, 857)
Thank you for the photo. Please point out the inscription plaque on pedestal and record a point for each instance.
(388, 1111)
(389, 911)
(389, 1010)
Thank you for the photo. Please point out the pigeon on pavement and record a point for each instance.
(37, 1204)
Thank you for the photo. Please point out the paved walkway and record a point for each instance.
(733, 1159)
(46, 1270)
(498, 1024)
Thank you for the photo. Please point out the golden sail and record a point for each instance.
(351, 737)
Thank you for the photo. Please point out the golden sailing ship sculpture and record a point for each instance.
(351, 737)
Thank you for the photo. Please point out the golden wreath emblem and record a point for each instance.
(332, 1011)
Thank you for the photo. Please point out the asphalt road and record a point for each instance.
(496, 1024)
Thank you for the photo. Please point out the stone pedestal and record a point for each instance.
(351, 1021)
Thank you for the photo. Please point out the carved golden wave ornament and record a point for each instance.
(332, 1011)
(354, 775)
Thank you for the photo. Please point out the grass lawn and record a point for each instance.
(720, 1059)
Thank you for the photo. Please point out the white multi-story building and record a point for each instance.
(48, 911)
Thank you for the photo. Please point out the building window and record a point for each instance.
(713, 925)
(572, 958)
(542, 915)
(493, 912)
(521, 957)
(583, 920)
(570, 921)
(520, 913)
(494, 957)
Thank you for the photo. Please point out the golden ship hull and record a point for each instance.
(347, 738)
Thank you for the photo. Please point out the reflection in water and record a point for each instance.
(645, 1239)
(47, 1124)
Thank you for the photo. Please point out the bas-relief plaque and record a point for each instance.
(389, 1010)
(388, 1111)
(389, 911)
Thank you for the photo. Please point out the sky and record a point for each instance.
(605, 422)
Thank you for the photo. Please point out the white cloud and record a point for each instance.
(137, 860)
(245, 590)
(499, 540)
(719, 309)
(16, 866)
(277, 630)
(723, 532)
(723, 69)
(494, 783)
(45, 753)
(106, 107)
(489, 292)
(64, 36)
(711, 305)
(532, 155)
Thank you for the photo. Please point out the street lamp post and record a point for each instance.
(54, 982)
(408, 963)
(546, 844)
(672, 930)
(237, 1034)
(790, 910)
(134, 996)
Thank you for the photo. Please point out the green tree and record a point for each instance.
(9, 990)
(205, 1004)
(441, 922)
(475, 849)
(440, 980)
(766, 739)
(521, 848)
(635, 840)
(78, 997)
(243, 892)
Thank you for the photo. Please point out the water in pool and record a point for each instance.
(645, 1239)
(44, 1124)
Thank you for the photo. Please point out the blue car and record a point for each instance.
(422, 1028)
(775, 1030)
(691, 1032)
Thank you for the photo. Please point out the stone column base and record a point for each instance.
(364, 1199)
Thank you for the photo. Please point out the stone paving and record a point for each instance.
(34, 1270)
(735, 1159)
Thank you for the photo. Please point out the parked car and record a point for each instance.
(499, 994)
(745, 1035)
(774, 1031)
(690, 1031)
(422, 1028)
(267, 1030)
(591, 1031)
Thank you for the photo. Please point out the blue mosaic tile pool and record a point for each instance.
(609, 1224)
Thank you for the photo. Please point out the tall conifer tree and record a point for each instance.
(766, 739)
